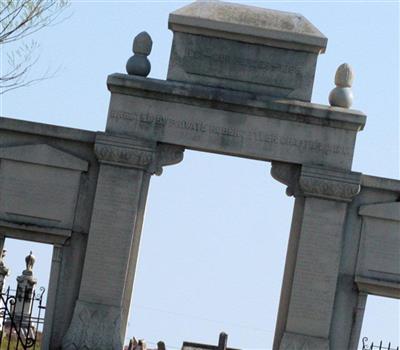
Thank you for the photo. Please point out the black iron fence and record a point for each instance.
(21, 318)
(377, 346)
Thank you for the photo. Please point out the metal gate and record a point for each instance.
(376, 346)
(21, 310)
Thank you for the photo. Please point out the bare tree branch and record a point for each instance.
(19, 19)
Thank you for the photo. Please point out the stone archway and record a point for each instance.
(239, 84)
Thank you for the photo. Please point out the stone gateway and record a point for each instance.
(239, 83)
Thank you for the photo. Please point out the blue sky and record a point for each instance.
(216, 228)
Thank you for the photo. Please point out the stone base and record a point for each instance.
(94, 326)
(292, 341)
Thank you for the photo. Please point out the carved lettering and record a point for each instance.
(240, 62)
(146, 121)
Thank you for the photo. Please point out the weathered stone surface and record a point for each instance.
(94, 326)
(344, 76)
(46, 195)
(44, 155)
(342, 95)
(245, 48)
(241, 66)
(39, 185)
(86, 193)
(350, 299)
(317, 264)
(313, 260)
(292, 341)
(139, 64)
(329, 184)
(378, 266)
(248, 24)
(219, 121)
(125, 168)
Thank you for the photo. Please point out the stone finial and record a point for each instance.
(139, 64)
(29, 261)
(341, 95)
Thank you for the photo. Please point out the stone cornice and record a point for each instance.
(47, 130)
(313, 181)
(135, 153)
(236, 101)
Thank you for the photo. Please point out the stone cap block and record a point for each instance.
(245, 48)
(248, 24)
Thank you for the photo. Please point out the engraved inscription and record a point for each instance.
(241, 62)
(158, 122)
(247, 66)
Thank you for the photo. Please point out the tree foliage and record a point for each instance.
(20, 19)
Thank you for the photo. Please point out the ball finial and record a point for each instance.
(139, 64)
(341, 95)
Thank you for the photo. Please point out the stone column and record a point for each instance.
(24, 297)
(314, 252)
(101, 312)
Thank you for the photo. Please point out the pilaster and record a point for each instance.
(126, 166)
(314, 252)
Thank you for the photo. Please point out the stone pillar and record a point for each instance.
(24, 296)
(313, 258)
(102, 309)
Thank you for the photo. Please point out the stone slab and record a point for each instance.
(240, 66)
(380, 183)
(37, 194)
(384, 211)
(248, 24)
(45, 155)
(265, 130)
(35, 233)
(378, 265)
(245, 48)
(59, 132)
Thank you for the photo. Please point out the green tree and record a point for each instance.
(20, 19)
